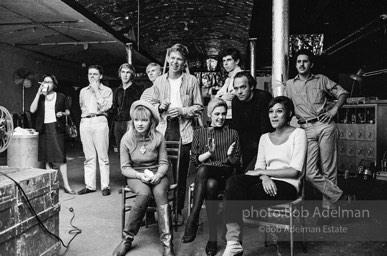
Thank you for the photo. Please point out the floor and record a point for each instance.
(99, 219)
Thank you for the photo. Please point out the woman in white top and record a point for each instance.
(277, 174)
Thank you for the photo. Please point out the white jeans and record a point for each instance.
(95, 141)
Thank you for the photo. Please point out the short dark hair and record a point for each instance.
(53, 78)
(287, 103)
(305, 52)
(250, 79)
(97, 67)
(234, 53)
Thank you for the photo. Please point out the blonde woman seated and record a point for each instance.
(215, 150)
(142, 148)
(277, 174)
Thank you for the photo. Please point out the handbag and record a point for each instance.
(71, 128)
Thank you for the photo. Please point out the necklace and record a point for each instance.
(48, 99)
(143, 148)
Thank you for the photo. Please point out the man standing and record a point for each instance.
(250, 116)
(95, 100)
(231, 58)
(127, 93)
(153, 70)
(309, 93)
(177, 97)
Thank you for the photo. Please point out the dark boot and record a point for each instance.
(165, 229)
(132, 224)
(191, 227)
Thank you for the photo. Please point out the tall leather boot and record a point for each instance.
(165, 229)
(132, 224)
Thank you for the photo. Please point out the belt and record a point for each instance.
(94, 115)
(310, 121)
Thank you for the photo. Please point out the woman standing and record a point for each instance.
(215, 150)
(277, 173)
(144, 162)
(52, 108)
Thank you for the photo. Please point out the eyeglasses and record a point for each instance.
(47, 82)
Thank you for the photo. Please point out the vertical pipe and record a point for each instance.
(129, 47)
(280, 42)
(253, 42)
(138, 25)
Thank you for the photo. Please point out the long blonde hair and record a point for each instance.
(142, 112)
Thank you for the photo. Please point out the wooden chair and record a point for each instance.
(173, 151)
(284, 210)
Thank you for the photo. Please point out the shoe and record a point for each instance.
(105, 191)
(190, 231)
(71, 192)
(211, 248)
(233, 248)
(85, 191)
(123, 247)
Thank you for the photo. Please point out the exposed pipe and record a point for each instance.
(253, 42)
(280, 42)
(129, 47)
(138, 25)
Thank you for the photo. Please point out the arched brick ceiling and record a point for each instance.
(204, 26)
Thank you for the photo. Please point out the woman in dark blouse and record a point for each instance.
(216, 151)
(51, 110)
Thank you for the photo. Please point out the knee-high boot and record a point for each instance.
(132, 224)
(165, 229)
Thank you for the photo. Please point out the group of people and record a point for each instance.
(249, 149)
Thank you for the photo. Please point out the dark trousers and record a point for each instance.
(120, 128)
(173, 134)
(245, 191)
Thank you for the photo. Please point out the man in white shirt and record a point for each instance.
(95, 100)
(231, 59)
(178, 99)
(153, 70)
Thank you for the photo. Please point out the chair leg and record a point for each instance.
(175, 209)
(303, 234)
(189, 201)
(123, 211)
(291, 231)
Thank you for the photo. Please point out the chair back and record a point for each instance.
(173, 152)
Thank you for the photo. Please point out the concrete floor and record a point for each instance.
(100, 221)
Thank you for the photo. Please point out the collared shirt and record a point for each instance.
(91, 105)
(147, 95)
(190, 98)
(310, 97)
(123, 100)
(228, 87)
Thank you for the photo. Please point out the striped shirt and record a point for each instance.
(190, 98)
(147, 95)
(223, 138)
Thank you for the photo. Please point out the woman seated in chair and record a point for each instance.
(142, 147)
(277, 174)
(215, 150)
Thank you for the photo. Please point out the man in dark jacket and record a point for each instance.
(127, 93)
(250, 116)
